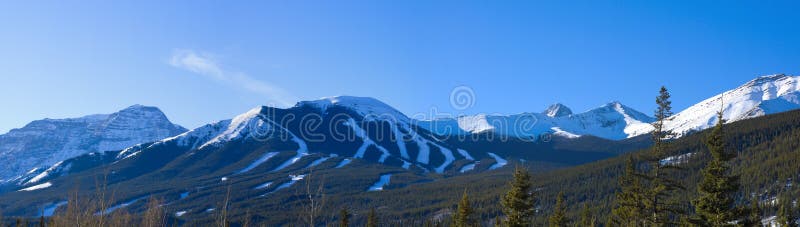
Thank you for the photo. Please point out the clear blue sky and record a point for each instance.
(203, 61)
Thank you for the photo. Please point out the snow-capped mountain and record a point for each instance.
(761, 96)
(611, 121)
(42, 144)
(375, 130)
(758, 97)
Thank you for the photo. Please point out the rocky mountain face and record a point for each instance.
(43, 143)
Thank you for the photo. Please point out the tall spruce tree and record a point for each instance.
(660, 207)
(717, 191)
(372, 218)
(629, 206)
(464, 215)
(787, 215)
(344, 217)
(586, 217)
(518, 202)
(559, 217)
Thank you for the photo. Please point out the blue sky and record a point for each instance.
(201, 61)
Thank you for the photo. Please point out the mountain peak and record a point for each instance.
(614, 104)
(42, 143)
(139, 107)
(368, 107)
(557, 110)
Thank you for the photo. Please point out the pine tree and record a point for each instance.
(629, 208)
(715, 206)
(559, 217)
(659, 209)
(464, 215)
(586, 217)
(372, 219)
(344, 217)
(519, 200)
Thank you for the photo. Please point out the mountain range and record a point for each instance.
(363, 143)
(758, 97)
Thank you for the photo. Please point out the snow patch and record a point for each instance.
(263, 186)
(677, 159)
(367, 141)
(294, 179)
(37, 187)
(318, 161)
(258, 162)
(291, 161)
(48, 211)
(448, 158)
(383, 181)
(467, 167)
(465, 154)
(343, 163)
(121, 205)
(499, 162)
(557, 131)
(45, 173)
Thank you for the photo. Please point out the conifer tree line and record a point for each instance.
(647, 190)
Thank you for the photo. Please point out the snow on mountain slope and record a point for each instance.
(369, 108)
(758, 97)
(761, 96)
(367, 141)
(42, 143)
(610, 121)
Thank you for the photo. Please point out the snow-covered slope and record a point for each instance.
(610, 121)
(369, 108)
(43, 143)
(761, 96)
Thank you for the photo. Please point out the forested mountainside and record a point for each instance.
(768, 152)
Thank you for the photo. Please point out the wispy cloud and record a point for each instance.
(205, 64)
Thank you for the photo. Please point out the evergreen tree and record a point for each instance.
(587, 219)
(715, 206)
(464, 215)
(629, 206)
(344, 217)
(518, 203)
(753, 213)
(787, 216)
(660, 209)
(372, 219)
(559, 217)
